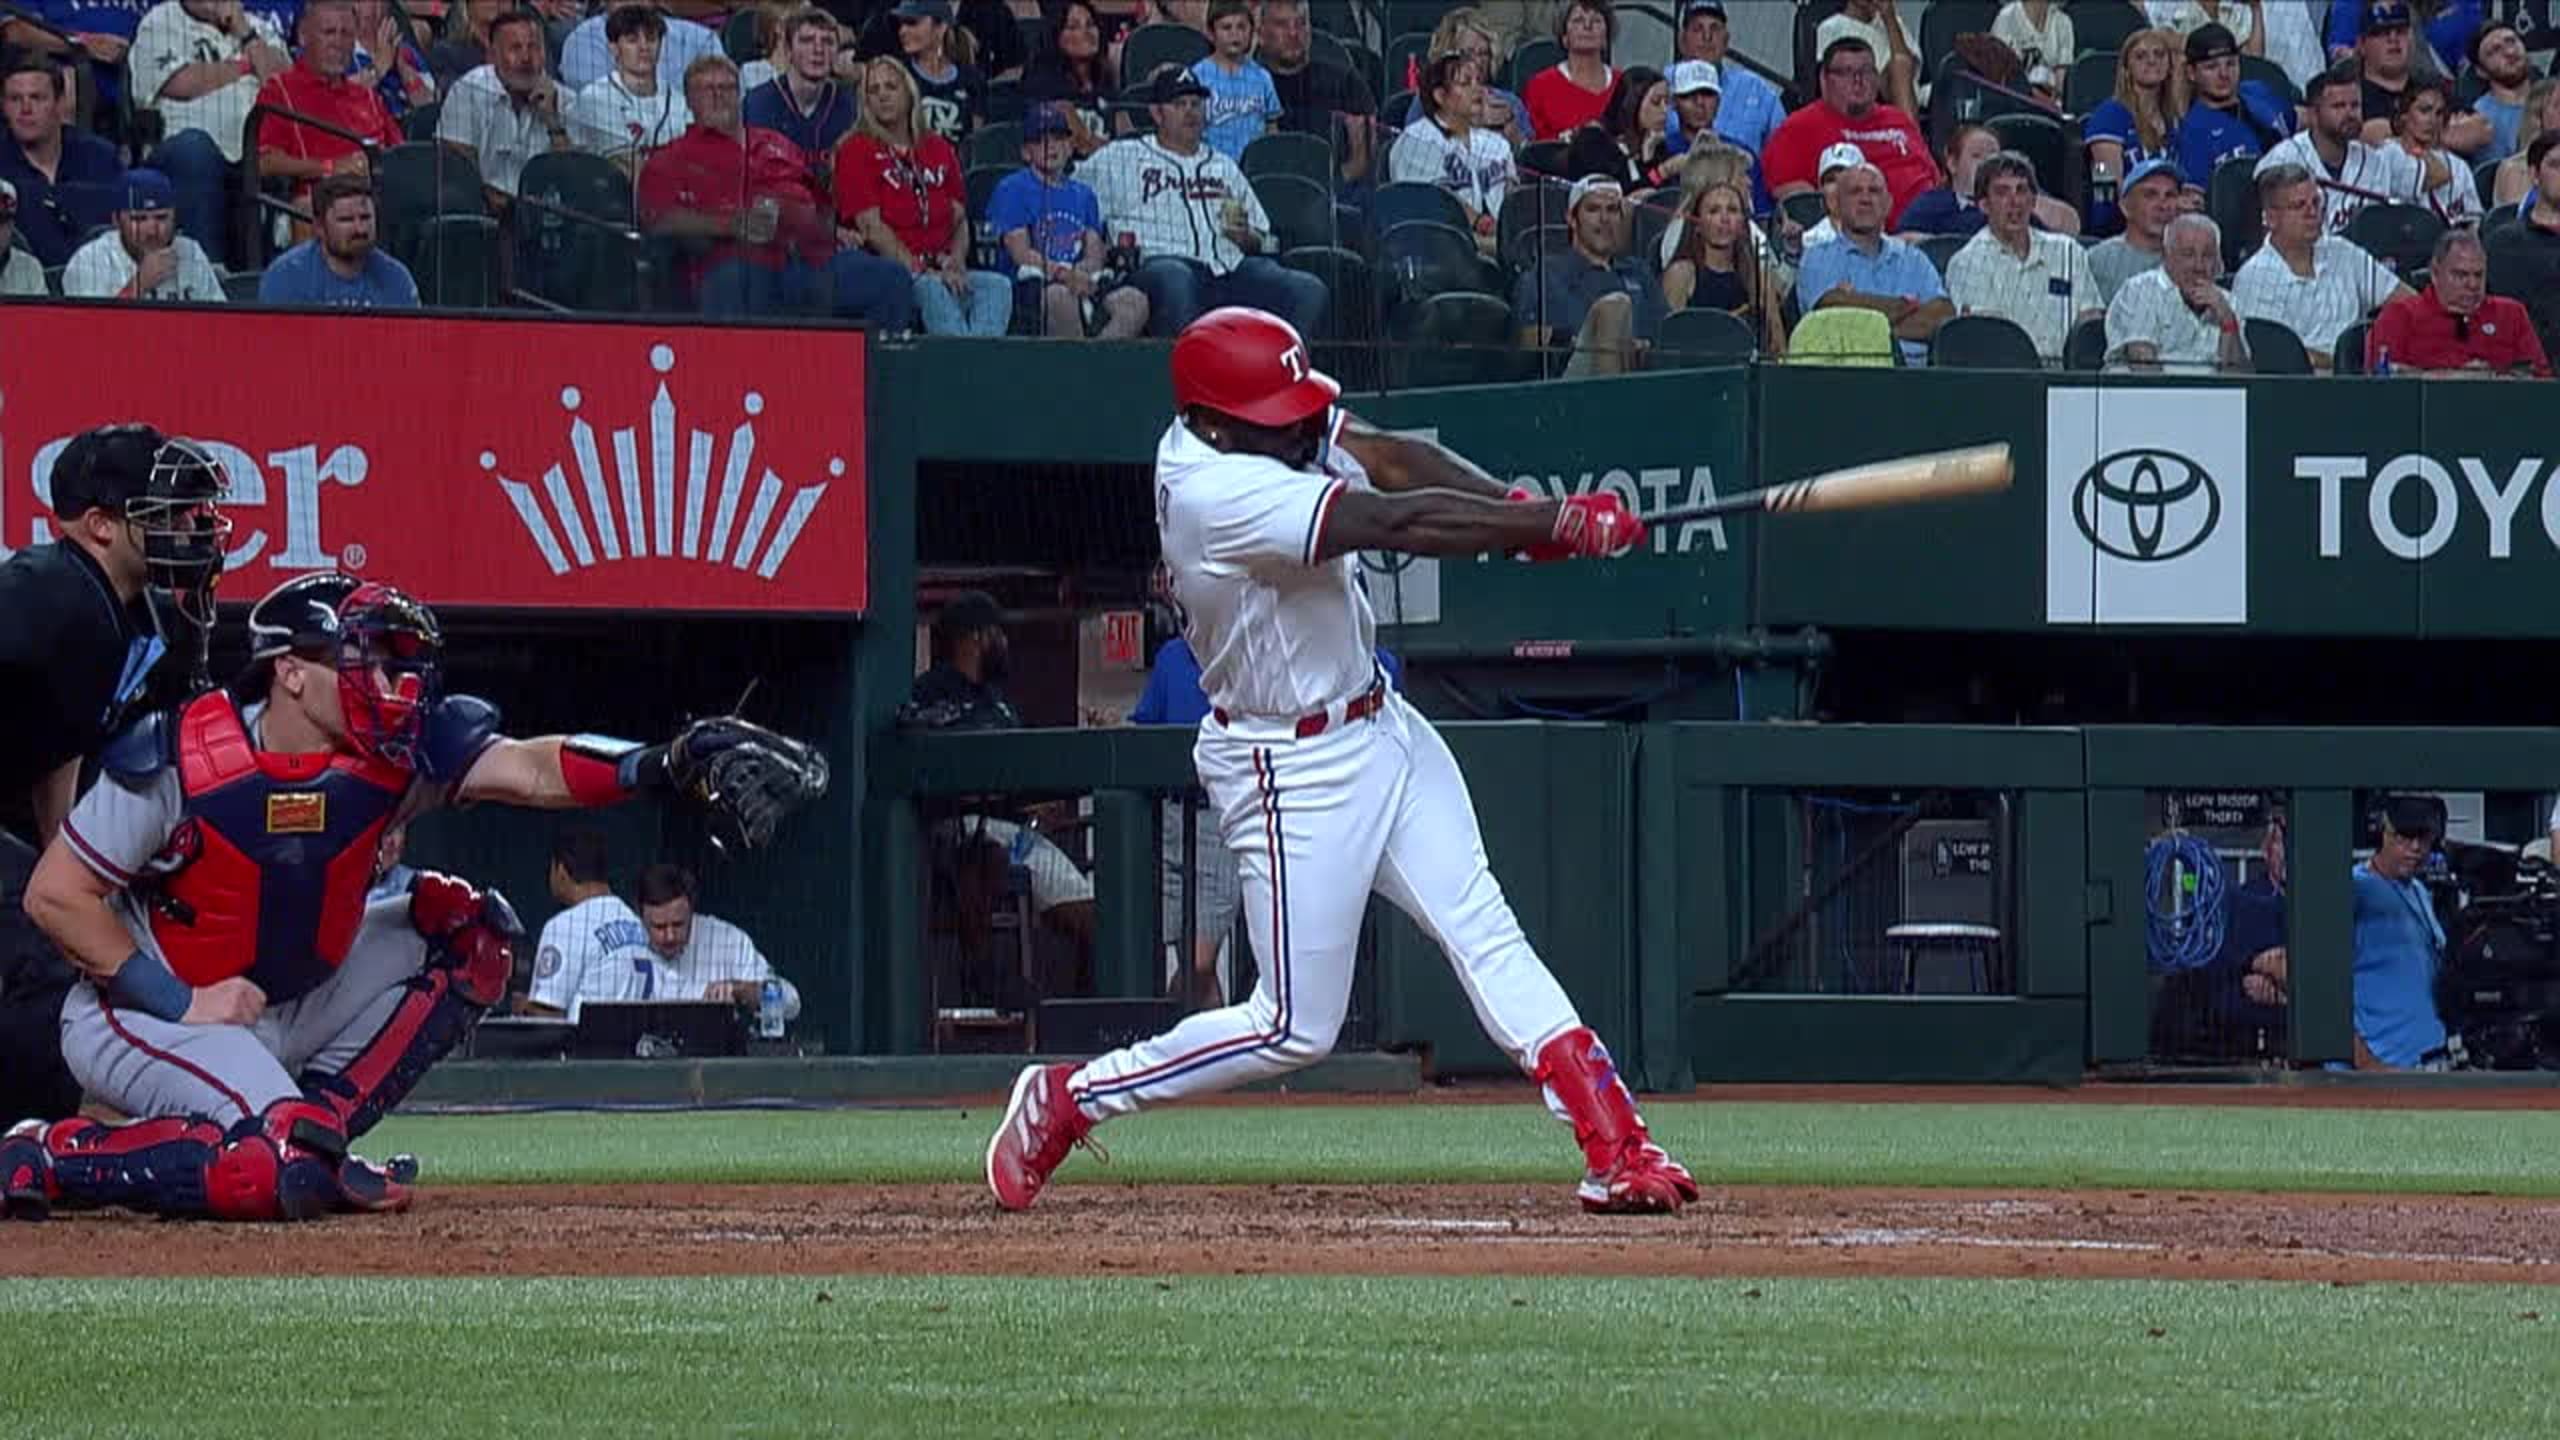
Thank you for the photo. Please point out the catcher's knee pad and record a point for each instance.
(280, 1164)
(439, 1006)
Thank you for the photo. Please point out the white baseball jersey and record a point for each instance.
(1278, 634)
(717, 951)
(594, 950)
(1173, 203)
(501, 134)
(610, 121)
(102, 268)
(2368, 176)
(168, 40)
(2344, 286)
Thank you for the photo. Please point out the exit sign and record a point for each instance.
(1124, 635)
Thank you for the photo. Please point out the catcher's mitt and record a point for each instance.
(747, 779)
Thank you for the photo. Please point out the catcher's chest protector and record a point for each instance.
(266, 874)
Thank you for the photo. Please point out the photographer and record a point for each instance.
(2399, 945)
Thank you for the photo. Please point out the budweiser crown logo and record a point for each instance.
(648, 520)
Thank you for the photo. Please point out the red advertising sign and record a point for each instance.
(531, 463)
(1124, 638)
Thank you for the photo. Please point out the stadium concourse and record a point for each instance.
(1434, 193)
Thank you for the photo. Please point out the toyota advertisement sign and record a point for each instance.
(530, 464)
(2146, 506)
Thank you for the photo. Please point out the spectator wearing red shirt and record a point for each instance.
(899, 195)
(744, 205)
(317, 86)
(1848, 111)
(2455, 326)
(1573, 92)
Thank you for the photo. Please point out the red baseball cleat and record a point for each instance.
(1040, 1126)
(1624, 1172)
(370, 1189)
(1645, 1181)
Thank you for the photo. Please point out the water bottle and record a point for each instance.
(2382, 361)
(769, 1010)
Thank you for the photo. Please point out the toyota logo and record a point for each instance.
(2146, 505)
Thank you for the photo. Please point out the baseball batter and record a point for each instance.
(1324, 783)
(252, 997)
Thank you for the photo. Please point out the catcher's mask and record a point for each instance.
(385, 646)
(178, 521)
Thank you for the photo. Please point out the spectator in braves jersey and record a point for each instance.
(2352, 174)
(899, 194)
(1201, 231)
(339, 265)
(595, 948)
(696, 956)
(1243, 102)
(1848, 111)
(630, 112)
(744, 206)
(2311, 282)
(2230, 119)
(318, 86)
(199, 64)
(1445, 147)
(1051, 227)
(804, 104)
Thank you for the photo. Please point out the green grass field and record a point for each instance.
(2509, 1152)
(1488, 1357)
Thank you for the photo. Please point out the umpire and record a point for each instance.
(85, 626)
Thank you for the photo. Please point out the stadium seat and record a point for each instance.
(1004, 99)
(420, 122)
(2104, 25)
(1843, 335)
(1546, 157)
(1301, 210)
(413, 183)
(1983, 342)
(2400, 236)
(2091, 81)
(2232, 200)
(2275, 349)
(240, 287)
(2272, 75)
(2086, 347)
(1421, 258)
(996, 143)
(1347, 347)
(1647, 222)
(986, 248)
(1405, 56)
(1805, 208)
(1809, 18)
(1149, 46)
(1534, 55)
(1396, 112)
(1698, 337)
(1454, 338)
(2349, 356)
(1941, 23)
(584, 259)
(738, 38)
(1393, 205)
(456, 265)
(1941, 250)
(2041, 139)
(1527, 207)
(1290, 152)
(1323, 49)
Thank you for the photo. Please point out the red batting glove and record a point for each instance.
(1592, 525)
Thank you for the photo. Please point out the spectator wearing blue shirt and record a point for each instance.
(2230, 119)
(2399, 944)
(339, 266)
(1594, 297)
(388, 60)
(1051, 229)
(1750, 107)
(2137, 123)
(99, 31)
(1864, 267)
(2449, 26)
(68, 181)
(804, 104)
(1243, 102)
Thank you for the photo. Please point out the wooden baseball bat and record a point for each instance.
(1912, 480)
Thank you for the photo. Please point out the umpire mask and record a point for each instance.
(178, 519)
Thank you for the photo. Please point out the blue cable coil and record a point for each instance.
(2183, 894)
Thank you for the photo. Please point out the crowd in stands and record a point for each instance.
(2209, 184)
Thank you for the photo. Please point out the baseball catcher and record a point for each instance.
(250, 993)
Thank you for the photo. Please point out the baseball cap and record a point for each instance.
(1172, 84)
(2156, 165)
(1841, 155)
(147, 189)
(1691, 76)
(1702, 7)
(2385, 15)
(2209, 42)
(1590, 185)
(1041, 121)
(924, 10)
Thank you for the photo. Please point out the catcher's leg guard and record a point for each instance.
(27, 1190)
(1625, 1172)
(280, 1164)
(468, 961)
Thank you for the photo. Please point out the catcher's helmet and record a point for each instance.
(385, 645)
(1250, 364)
(168, 490)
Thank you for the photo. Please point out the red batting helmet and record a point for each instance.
(1249, 364)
